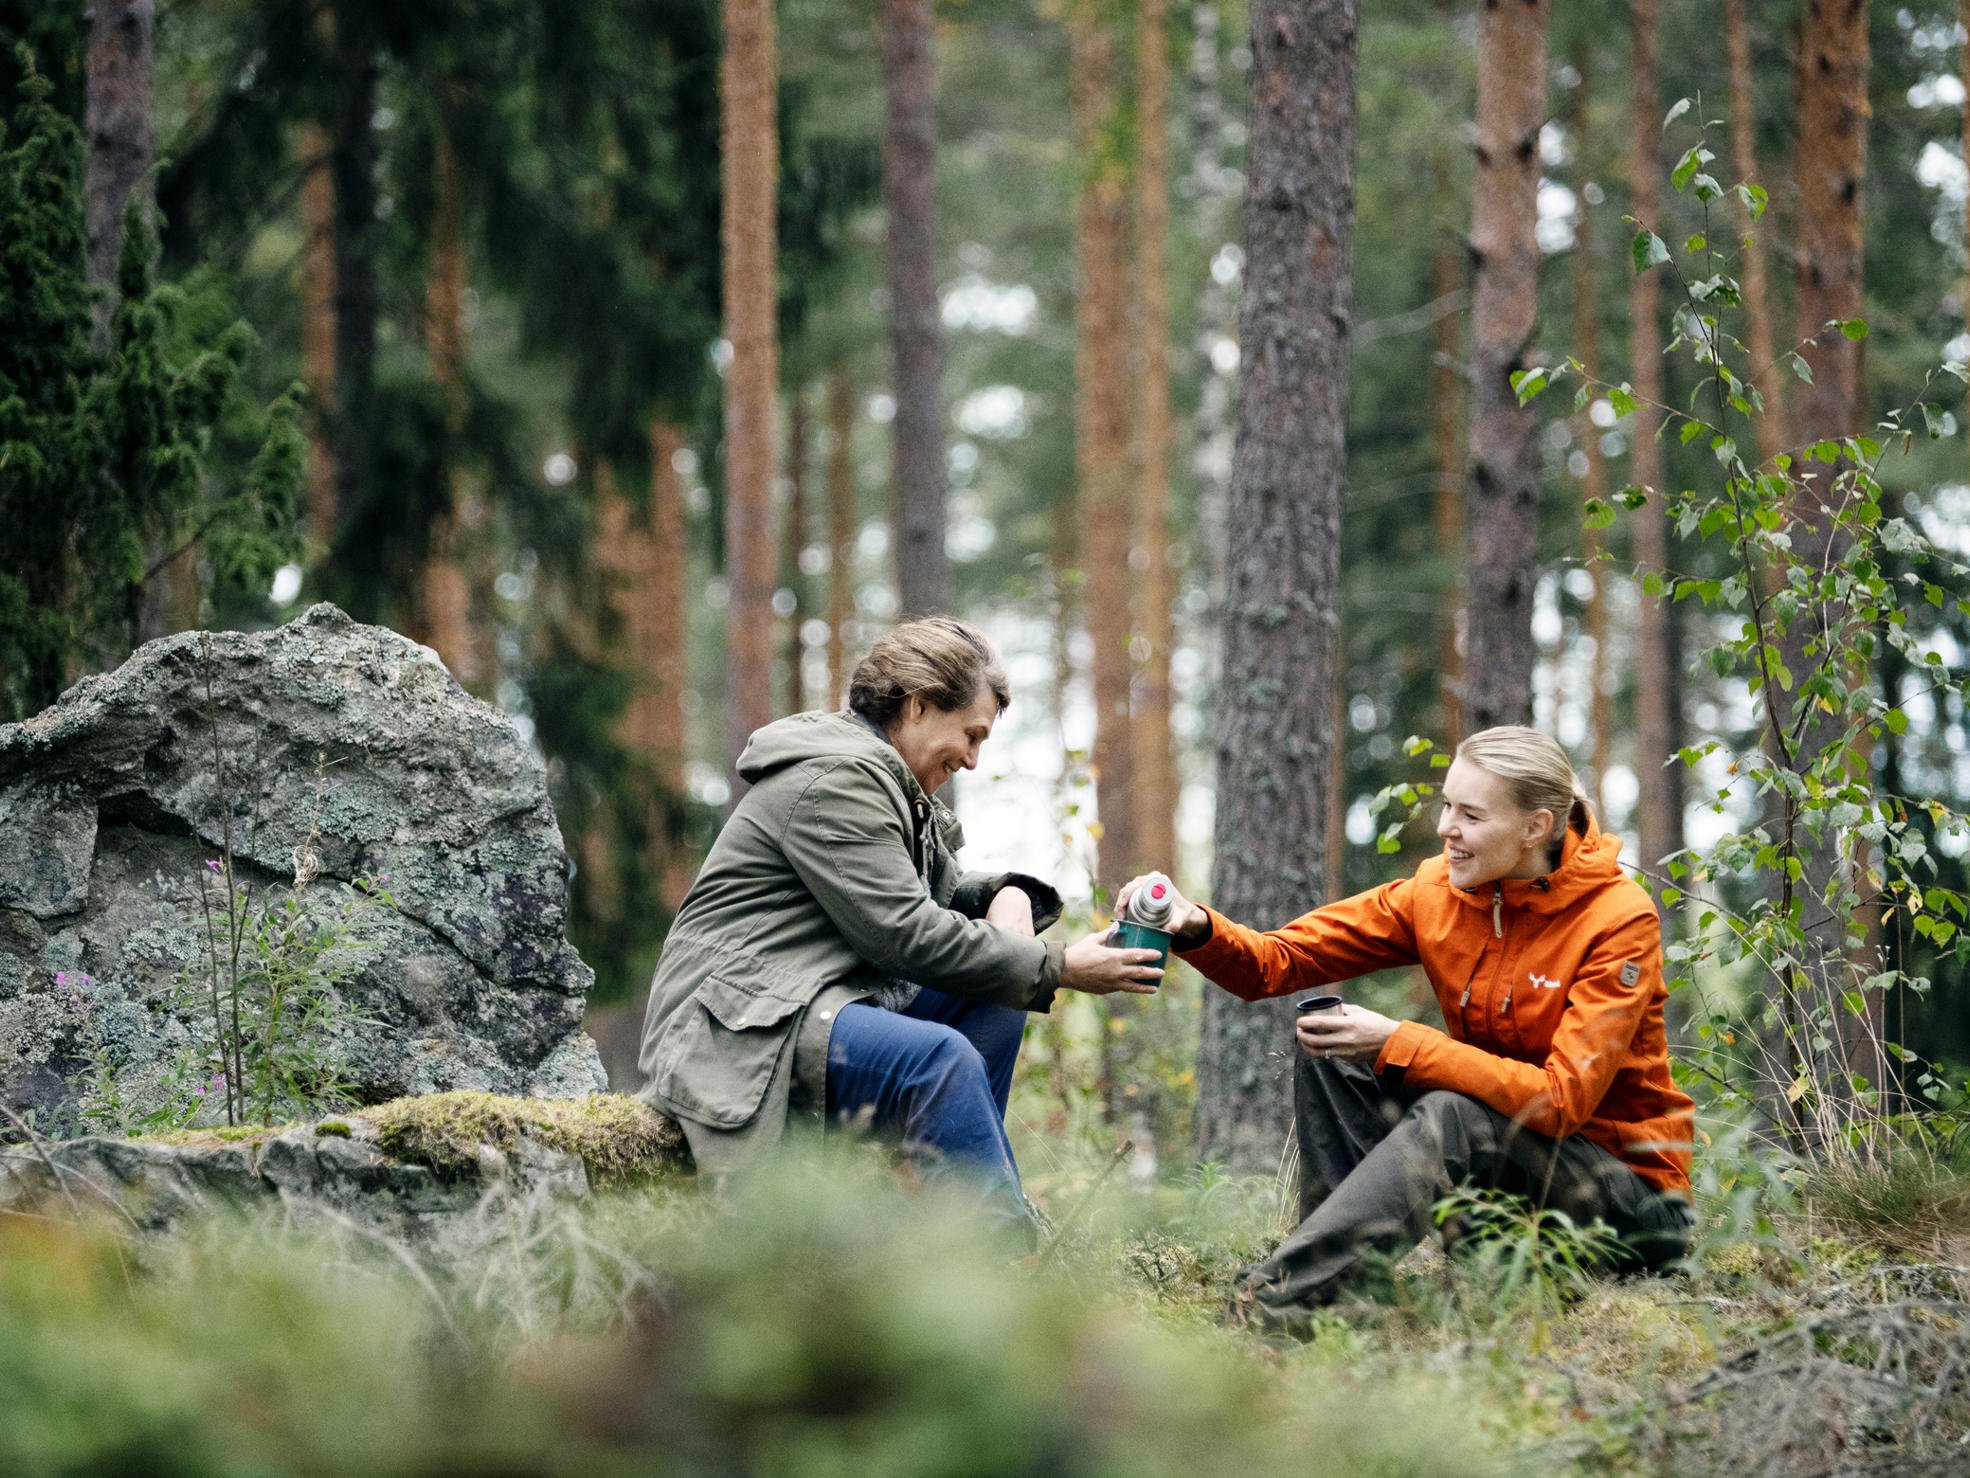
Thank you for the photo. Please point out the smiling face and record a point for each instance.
(1486, 834)
(936, 742)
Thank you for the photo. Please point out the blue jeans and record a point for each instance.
(934, 1076)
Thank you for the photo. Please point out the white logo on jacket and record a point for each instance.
(1544, 982)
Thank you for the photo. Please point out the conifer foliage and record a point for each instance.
(105, 455)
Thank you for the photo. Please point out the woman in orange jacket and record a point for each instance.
(1551, 1077)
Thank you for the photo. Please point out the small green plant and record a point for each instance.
(112, 1105)
(1517, 1256)
(269, 986)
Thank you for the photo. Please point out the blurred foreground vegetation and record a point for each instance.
(829, 1320)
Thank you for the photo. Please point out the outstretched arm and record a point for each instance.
(1370, 931)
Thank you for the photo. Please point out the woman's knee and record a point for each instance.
(1445, 1109)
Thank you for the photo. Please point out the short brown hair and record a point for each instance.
(938, 659)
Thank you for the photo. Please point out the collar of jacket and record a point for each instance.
(942, 816)
(1586, 863)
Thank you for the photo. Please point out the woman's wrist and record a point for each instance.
(1195, 929)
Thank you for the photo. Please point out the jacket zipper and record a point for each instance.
(1498, 930)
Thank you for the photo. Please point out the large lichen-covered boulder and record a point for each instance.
(321, 752)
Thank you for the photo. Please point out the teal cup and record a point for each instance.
(1127, 935)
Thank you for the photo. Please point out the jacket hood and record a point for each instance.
(1587, 862)
(810, 736)
(841, 735)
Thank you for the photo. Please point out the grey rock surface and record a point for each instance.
(326, 749)
(336, 1178)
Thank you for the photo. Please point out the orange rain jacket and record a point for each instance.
(1551, 990)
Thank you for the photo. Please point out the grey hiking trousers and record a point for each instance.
(1375, 1159)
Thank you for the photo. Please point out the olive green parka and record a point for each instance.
(834, 873)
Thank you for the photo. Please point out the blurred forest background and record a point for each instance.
(649, 449)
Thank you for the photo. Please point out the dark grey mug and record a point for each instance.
(1307, 1005)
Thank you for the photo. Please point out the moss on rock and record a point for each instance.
(621, 1140)
(221, 1136)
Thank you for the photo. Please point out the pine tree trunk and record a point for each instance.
(1658, 683)
(1769, 378)
(1593, 485)
(749, 144)
(909, 173)
(1831, 166)
(1154, 752)
(1281, 622)
(1101, 437)
(841, 531)
(1215, 187)
(122, 141)
(796, 541)
(1504, 510)
(352, 164)
(1447, 423)
(318, 336)
(446, 594)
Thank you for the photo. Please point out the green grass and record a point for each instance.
(828, 1319)
(1911, 1201)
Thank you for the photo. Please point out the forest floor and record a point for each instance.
(832, 1318)
(1820, 1325)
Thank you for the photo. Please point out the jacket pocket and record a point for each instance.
(722, 1055)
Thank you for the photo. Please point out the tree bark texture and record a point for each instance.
(122, 139)
(1101, 434)
(1658, 683)
(1769, 377)
(1447, 426)
(1830, 162)
(1504, 508)
(749, 145)
(1281, 619)
(318, 328)
(909, 175)
(1593, 488)
(352, 164)
(841, 530)
(1155, 755)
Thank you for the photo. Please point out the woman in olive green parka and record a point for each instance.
(834, 890)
